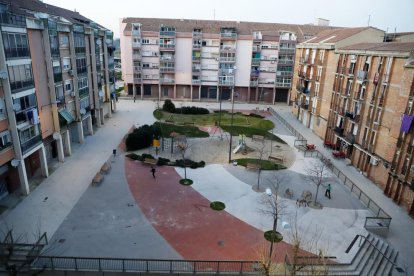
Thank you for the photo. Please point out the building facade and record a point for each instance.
(356, 92)
(202, 60)
(57, 81)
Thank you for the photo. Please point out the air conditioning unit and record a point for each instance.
(70, 72)
(217, 59)
(374, 161)
(73, 93)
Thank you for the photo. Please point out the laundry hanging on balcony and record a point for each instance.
(406, 123)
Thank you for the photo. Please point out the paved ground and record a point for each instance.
(69, 198)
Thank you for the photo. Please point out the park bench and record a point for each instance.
(253, 167)
(310, 147)
(150, 161)
(339, 154)
(105, 167)
(258, 138)
(277, 158)
(289, 193)
(97, 178)
(328, 144)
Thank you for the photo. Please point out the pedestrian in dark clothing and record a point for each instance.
(153, 172)
(328, 191)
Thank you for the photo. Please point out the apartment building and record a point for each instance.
(315, 67)
(370, 114)
(57, 81)
(204, 60)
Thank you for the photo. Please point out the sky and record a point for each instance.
(383, 14)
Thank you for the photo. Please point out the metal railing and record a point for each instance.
(144, 266)
(36, 248)
(380, 219)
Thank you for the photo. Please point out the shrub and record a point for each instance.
(133, 156)
(163, 161)
(193, 110)
(141, 137)
(168, 106)
(146, 155)
(256, 115)
(189, 163)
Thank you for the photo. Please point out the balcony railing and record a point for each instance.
(196, 69)
(170, 58)
(83, 92)
(136, 57)
(26, 146)
(55, 52)
(266, 81)
(166, 80)
(196, 58)
(167, 46)
(256, 48)
(226, 82)
(254, 83)
(197, 34)
(254, 73)
(197, 46)
(196, 81)
(80, 50)
(136, 45)
(12, 19)
(255, 61)
(282, 84)
(18, 86)
(17, 52)
(226, 71)
(286, 50)
(81, 70)
(284, 73)
(136, 32)
(167, 33)
(228, 35)
(227, 59)
(227, 48)
(362, 75)
(285, 62)
(167, 69)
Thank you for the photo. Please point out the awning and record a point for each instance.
(66, 115)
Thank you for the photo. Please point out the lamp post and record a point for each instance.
(231, 120)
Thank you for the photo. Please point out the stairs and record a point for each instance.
(374, 257)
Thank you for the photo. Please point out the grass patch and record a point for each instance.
(210, 119)
(158, 114)
(217, 205)
(277, 236)
(264, 164)
(189, 131)
(186, 182)
(250, 131)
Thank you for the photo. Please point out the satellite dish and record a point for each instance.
(108, 41)
(15, 163)
(56, 135)
(100, 93)
(98, 42)
(83, 111)
(17, 107)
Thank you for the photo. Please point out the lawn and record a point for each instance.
(264, 164)
(188, 131)
(250, 131)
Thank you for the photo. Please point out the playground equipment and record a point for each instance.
(241, 144)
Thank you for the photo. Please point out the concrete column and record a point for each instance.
(218, 94)
(248, 94)
(142, 90)
(159, 92)
(114, 104)
(175, 92)
(90, 128)
(80, 132)
(61, 154)
(43, 161)
(274, 95)
(191, 92)
(257, 94)
(134, 92)
(68, 147)
(102, 116)
(24, 183)
(199, 93)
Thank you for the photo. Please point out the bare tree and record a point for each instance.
(261, 150)
(274, 207)
(183, 146)
(317, 172)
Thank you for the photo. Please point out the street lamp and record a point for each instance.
(233, 94)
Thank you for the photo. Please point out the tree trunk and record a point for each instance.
(317, 190)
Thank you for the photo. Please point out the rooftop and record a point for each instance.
(336, 35)
(382, 47)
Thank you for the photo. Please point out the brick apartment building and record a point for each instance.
(56, 69)
(356, 96)
(199, 60)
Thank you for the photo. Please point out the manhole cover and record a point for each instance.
(220, 243)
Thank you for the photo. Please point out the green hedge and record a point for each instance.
(169, 106)
(142, 137)
(165, 161)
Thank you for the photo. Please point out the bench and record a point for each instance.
(289, 193)
(278, 158)
(97, 178)
(258, 138)
(310, 147)
(150, 161)
(105, 167)
(253, 167)
(339, 154)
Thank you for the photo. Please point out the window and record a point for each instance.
(68, 85)
(21, 77)
(60, 96)
(29, 133)
(2, 109)
(79, 43)
(64, 41)
(57, 72)
(54, 45)
(15, 45)
(5, 139)
(81, 65)
(84, 103)
(145, 41)
(145, 65)
(82, 83)
(25, 102)
(66, 64)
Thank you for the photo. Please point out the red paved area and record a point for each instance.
(210, 129)
(183, 217)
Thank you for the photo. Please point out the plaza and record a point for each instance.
(131, 215)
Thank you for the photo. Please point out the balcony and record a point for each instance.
(269, 58)
(254, 83)
(196, 69)
(17, 52)
(54, 52)
(255, 61)
(194, 81)
(167, 58)
(166, 81)
(137, 69)
(167, 69)
(227, 71)
(136, 57)
(80, 50)
(362, 76)
(226, 82)
(256, 48)
(167, 33)
(136, 44)
(211, 67)
(196, 46)
(227, 59)
(228, 35)
(196, 58)
(83, 92)
(226, 48)
(267, 81)
(57, 77)
(284, 73)
(7, 18)
(197, 34)
(26, 146)
(167, 47)
(287, 50)
(18, 86)
(81, 70)
(283, 84)
(254, 73)
(136, 32)
(339, 131)
(285, 62)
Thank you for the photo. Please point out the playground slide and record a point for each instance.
(237, 148)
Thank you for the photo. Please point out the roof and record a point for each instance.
(25, 6)
(382, 47)
(336, 35)
(213, 26)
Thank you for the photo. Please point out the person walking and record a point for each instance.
(328, 191)
(153, 171)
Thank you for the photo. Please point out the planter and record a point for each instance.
(186, 181)
(217, 205)
(277, 237)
